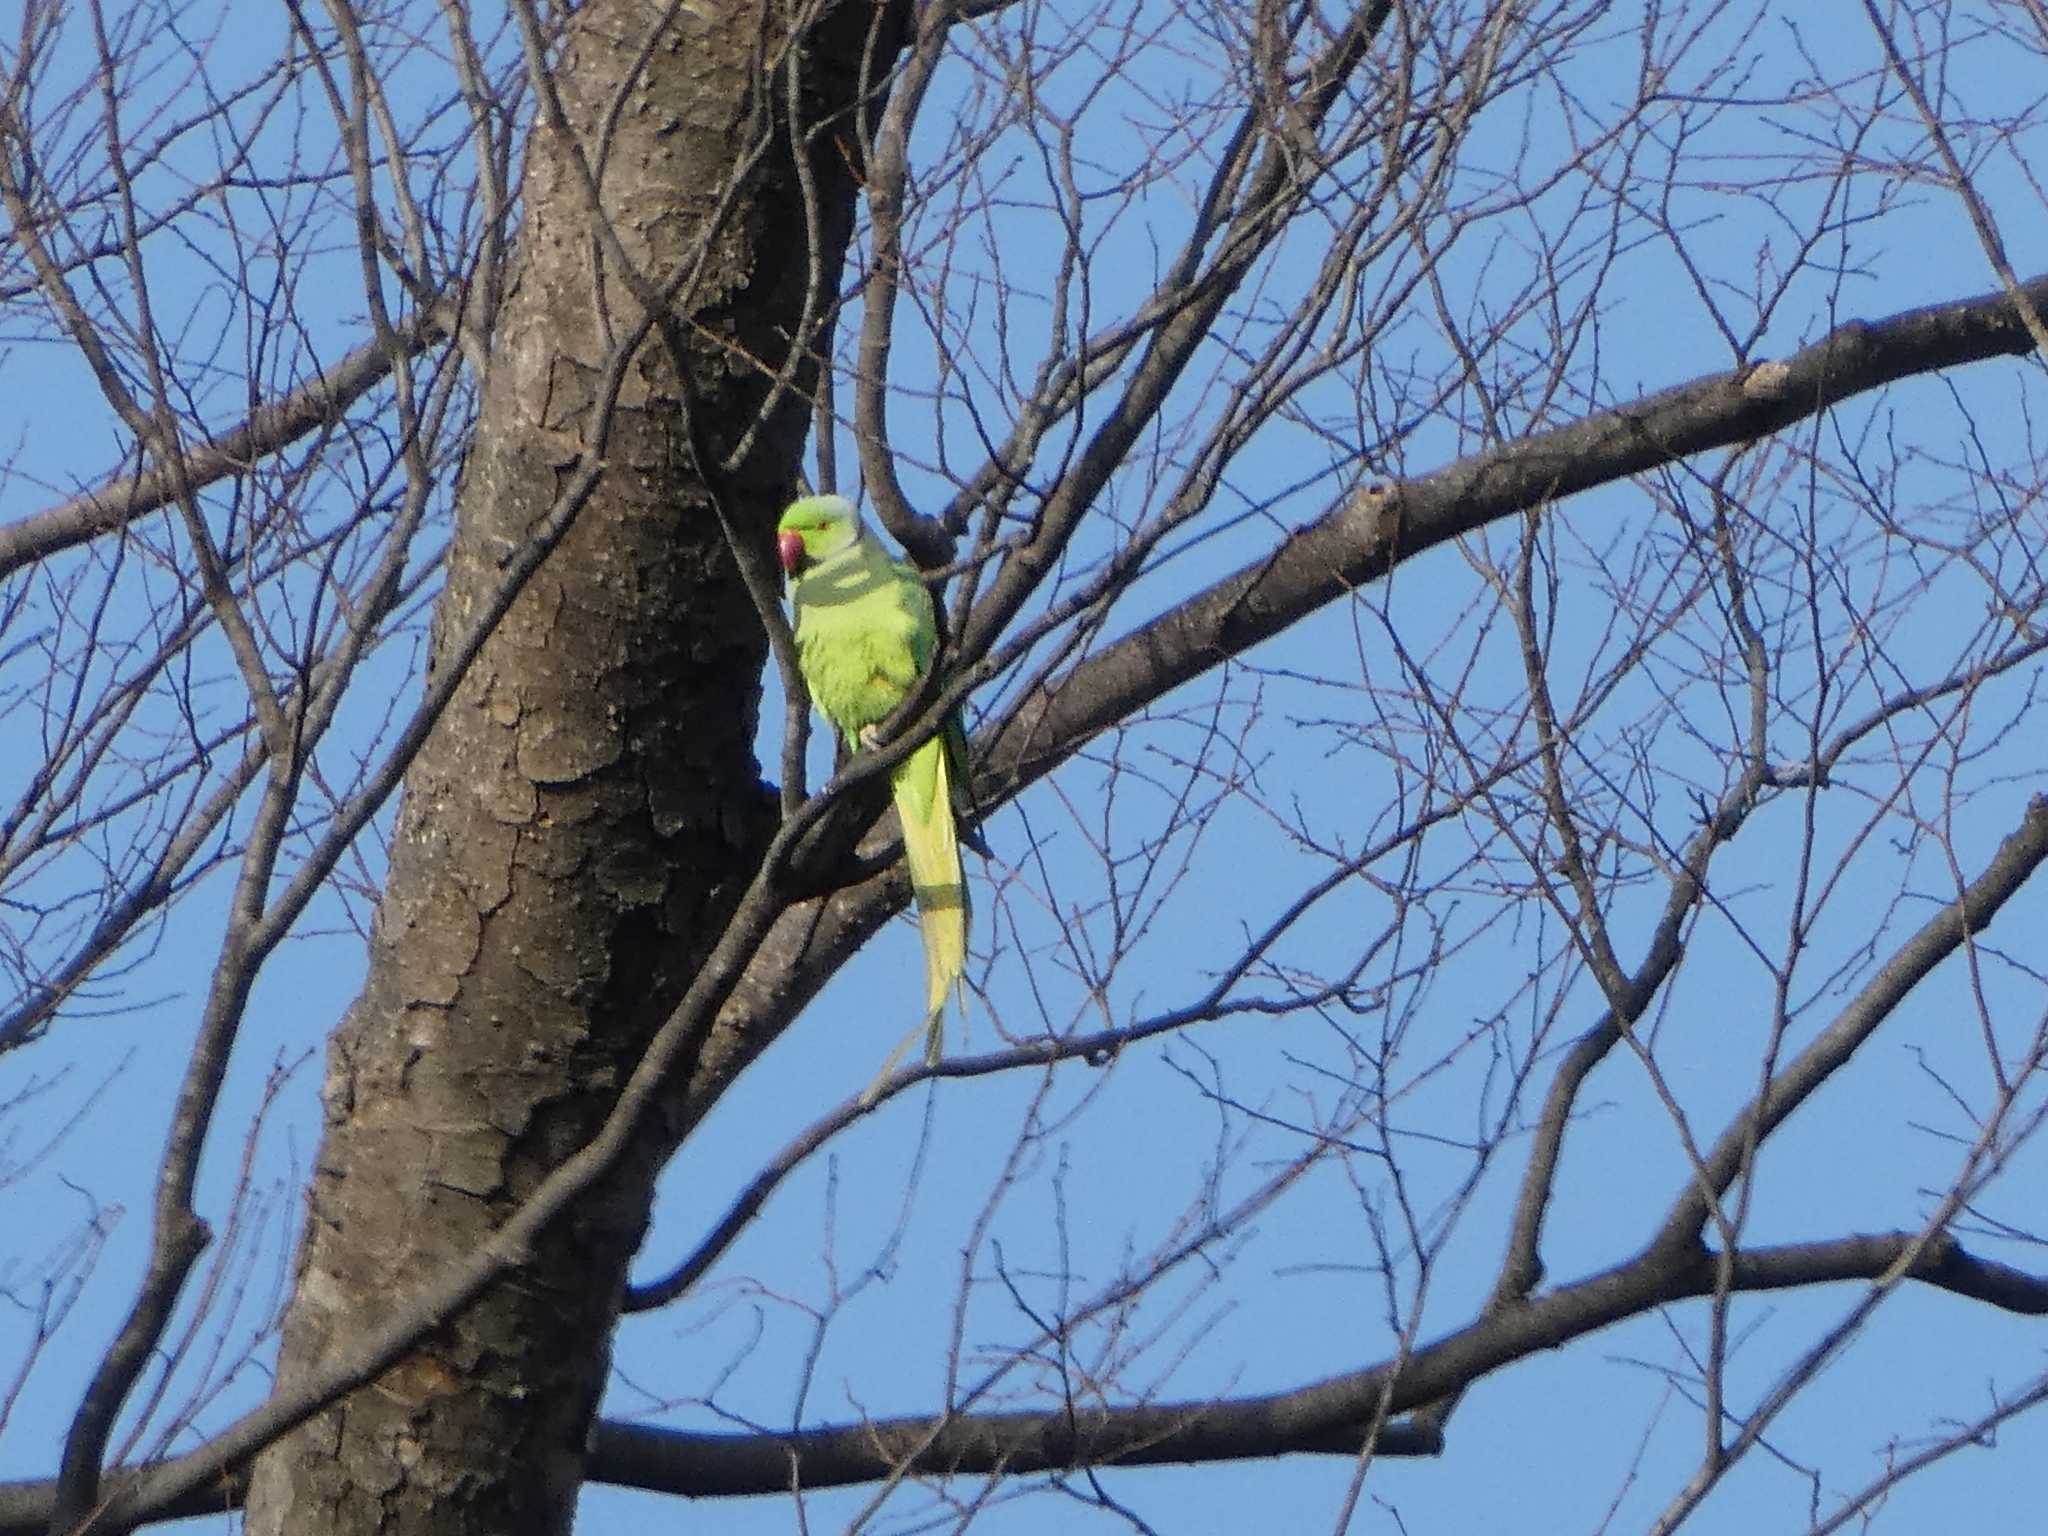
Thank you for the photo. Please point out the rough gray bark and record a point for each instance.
(572, 834)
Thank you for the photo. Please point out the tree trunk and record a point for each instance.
(576, 827)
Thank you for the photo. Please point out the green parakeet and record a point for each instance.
(865, 635)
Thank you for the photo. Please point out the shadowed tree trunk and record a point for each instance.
(571, 836)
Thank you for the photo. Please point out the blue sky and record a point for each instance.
(915, 1255)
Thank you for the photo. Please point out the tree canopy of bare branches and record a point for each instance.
(1495, 557)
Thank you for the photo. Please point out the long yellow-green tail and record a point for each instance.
(931, 847)
(923, 788)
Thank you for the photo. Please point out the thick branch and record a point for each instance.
(1361, 539)
(121, 499)
(1320, 1418)
(1371, 531)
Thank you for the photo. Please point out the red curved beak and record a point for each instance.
(790, 548)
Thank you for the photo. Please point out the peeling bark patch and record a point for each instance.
(470, 1163)
(419, 1379)
(558, 751)
(508, 799)
(432, 973)
(633, 877)
(1767, 381)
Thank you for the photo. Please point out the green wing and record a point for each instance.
(865, 633)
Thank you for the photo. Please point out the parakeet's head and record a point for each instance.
(814, 527)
